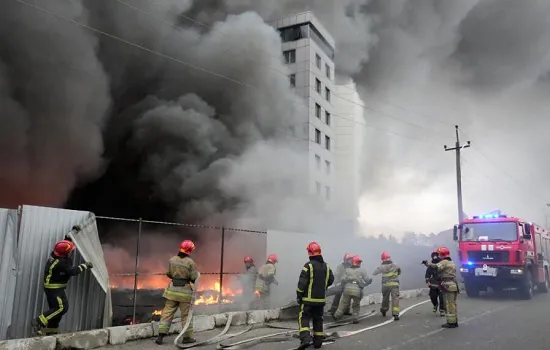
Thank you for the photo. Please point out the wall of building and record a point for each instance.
(350, 135)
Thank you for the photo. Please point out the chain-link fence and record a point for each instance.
(137, 253)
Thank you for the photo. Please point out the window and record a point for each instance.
(327, 142)
(292, 78)
(327, 70)
(327, 167)
(317, 85)
(318, 110)
(318, 60)
(318, 136)
(318, 187)
(327, 94)
(318, 162)
(290, 56)
(327, 192)
(327, 118)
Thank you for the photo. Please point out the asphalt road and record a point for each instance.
(489, 322)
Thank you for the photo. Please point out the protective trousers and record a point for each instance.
(450, 307)
(393, 292)
(168, 313)
(262, 301)
(436, 296)
(59, 305)
(345, 303)
(313, 313)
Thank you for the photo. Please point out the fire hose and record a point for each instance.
(189, 315)
(285, 336)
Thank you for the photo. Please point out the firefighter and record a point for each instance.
(266, 277)
(249, 279)
(390, 285)
(182, 270)
(315, 277)
(59, 269)
(436, 296)
(446, 270)
(354, 280)
(337, 289)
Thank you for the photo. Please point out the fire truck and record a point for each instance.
(503, 252)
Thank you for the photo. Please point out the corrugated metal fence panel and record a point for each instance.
(8, 267)
(39, 230)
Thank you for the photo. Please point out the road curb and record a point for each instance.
(122, 334)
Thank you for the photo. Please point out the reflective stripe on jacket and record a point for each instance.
(59, 270)
(315, 277)
(354, 280)
(446, 271)
(266, 276)
(390, 273)
(183, 271)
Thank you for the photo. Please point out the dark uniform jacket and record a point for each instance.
(58, 271)
(315, 278)
(431, 273)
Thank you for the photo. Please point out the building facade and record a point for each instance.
(309, 50)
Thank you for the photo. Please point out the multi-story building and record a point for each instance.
(309, 50)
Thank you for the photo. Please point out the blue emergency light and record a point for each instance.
(470, 263)
(489, 216)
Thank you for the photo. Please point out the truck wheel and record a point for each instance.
(471, 291)
(526, 288)
(545, 286)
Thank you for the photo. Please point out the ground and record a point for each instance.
(489, 322)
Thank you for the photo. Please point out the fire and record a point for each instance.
(208, 291)
(157, 313)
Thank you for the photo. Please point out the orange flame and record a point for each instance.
(208, 285)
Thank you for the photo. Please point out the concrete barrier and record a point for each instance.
(42, 343)
(83, 340)
(120, 335)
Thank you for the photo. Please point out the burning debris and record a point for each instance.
(208, 293)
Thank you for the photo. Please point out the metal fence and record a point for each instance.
(137, 253)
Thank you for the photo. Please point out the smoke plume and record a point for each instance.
(194, 119)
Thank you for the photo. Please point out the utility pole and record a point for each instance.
(457, 150)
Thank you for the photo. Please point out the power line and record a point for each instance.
(238, 52)
(190, 65)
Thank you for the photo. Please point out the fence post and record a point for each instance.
(221, 265)
(136, 268)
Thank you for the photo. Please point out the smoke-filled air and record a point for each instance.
(182, 111)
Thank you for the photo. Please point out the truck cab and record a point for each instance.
(502, 252)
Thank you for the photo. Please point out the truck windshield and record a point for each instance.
(490, 231)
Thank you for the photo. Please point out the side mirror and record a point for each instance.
(527, 233)
(455, 233)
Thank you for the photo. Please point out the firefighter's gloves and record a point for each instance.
(299, 299)
(275, 282)
(85, 266)
(424, 262)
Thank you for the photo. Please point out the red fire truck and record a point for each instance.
(502, 252)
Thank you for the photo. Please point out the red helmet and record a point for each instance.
(248, 259)
(444, 252)
(63, 248)
(347, 257)
(272, 258)
(313, 249)
(356, 261)
(385, 256)
(187, 247)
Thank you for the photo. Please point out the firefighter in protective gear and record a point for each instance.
(182, 270)
(266, 277)
(432, 280)
(446, 271)
(354, 280)
(249, 280)
(59, 269)
(315, 277)
(338, 288)
(390, 285)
